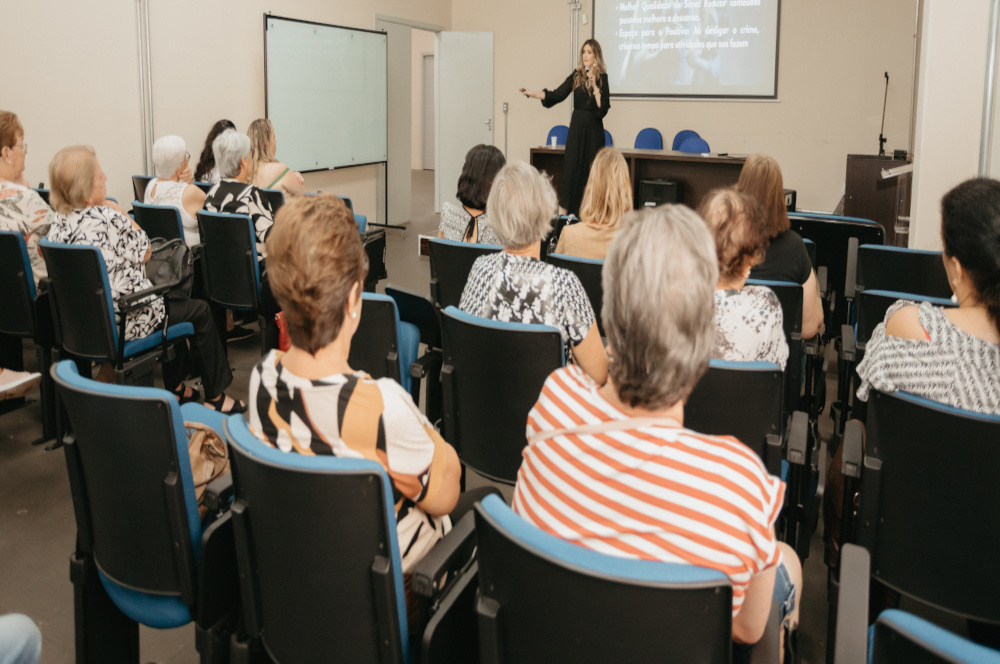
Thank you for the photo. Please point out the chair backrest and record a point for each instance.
(790, 296)
(275, 198)
(44, 193)
(588, 270)
(872, 305)
(318, 556)
(929, 497)
(649, 138)
(451, 263)
(608, 141)
(694, 145)
(811, 250)
(375, 345)
(901, 269)
(419, 310)
(139, 184)
(561, 132)
(543, 599)
(17, 287)
(229, 258)
(719, 406)
(204, 186)
(133, 492)
(159, 220)
(682, 136)
(831, 234)
(903, 637)
(492, 375)
(83, 312)
(347, 202)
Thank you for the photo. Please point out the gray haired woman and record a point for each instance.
(172, 184)
(515, 286)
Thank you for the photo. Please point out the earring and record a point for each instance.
(954, 298)
(354, 314)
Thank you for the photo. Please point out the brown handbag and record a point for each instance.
(209, 459)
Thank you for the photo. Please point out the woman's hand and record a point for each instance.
(531, 94)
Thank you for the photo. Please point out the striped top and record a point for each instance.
(352, 415)
(658, 492)
(951, 367)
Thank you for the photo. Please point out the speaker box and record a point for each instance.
(655, 192)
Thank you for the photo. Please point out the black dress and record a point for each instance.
(586, 137)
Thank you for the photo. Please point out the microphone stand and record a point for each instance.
(882, 139)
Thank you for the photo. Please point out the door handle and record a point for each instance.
(489, 124)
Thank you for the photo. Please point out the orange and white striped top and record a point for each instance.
(655, 492)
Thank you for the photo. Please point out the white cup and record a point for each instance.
(554, 141)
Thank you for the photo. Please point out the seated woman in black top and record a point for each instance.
(786, 258)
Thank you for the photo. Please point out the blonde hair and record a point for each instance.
(761, 178)
(580, 75)
(608, 195)
(260, 132)
(10, 129)
(71, 178)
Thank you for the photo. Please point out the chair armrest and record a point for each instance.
(822, 275)
(450, 554)
(219, 495)
(428, 363)
(851, 278)
(848, 347)
(851, 643)
(125, 302)
(853, 456)
(798, 439)
(768, 649)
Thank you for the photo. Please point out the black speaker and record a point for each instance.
(790, 200)
(655, 192)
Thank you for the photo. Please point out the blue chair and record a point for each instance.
(896, 636)
(44, 193)
(608, 141)
(84, 314)
(204, 186)
(419, 310)
(682, 136)
(362, 221)
(140, 541)
(159, 220)
(492, 375)
(274, 198)
(544, 599)
(896, 269)
(560, 132)
(319, 560)
(588, 270)
(383, 345)
(451, 263)
(649, 138)
(694, 145)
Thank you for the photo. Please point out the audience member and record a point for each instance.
(606, 199)
(267, 172)
(319, 267)
(650, 501)
(20, 640)
(786, 258)
(85, 216)
(748, 320)
(206, 170)
(515, 286)
(172, 184)
(469, 222)
(234, 194)
(949, 355)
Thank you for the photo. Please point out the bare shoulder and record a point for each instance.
(905, 324)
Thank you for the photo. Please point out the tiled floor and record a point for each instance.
(37, 527)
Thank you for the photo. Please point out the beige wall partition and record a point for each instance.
(832, 56)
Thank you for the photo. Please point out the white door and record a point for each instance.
(464, 109)
(398, 172)
(427, 113)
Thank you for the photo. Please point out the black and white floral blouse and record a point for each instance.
(124, 247)
(233, 197)
(519, 289)
(455, 220)
(749, 326)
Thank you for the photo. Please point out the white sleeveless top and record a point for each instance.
(171, 193)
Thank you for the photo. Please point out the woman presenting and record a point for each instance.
(589, 85)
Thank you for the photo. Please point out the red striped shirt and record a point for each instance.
(657, 492)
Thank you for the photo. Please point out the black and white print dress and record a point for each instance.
(124, 248)
(749, 326)
(519, 289)
(950, 366)
(233, 197)
(455, 219)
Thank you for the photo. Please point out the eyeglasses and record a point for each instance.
(23, 146)
(187, 156)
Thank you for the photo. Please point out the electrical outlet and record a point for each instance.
(505, 107)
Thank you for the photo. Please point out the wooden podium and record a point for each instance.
(868, 196)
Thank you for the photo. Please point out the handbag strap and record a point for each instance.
(605, 427)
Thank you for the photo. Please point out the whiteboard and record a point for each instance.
(325, 90)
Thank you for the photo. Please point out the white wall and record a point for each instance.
(954, 37)
(77, 75)
(830, 84)
(422, 42)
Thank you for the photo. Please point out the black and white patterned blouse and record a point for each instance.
(233, 197)
(519, 289)
(124, 248)
(951, 366)
(455, 219)
(749, 326)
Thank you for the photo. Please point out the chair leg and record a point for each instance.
(47, 389)
(212, 643)
(104, 635)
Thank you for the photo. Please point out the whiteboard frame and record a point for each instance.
(268, 15)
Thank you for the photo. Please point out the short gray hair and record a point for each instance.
(659, 305)
(229, 148)
(168, 155)
(521, 204)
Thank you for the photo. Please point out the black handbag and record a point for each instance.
(171, 263)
